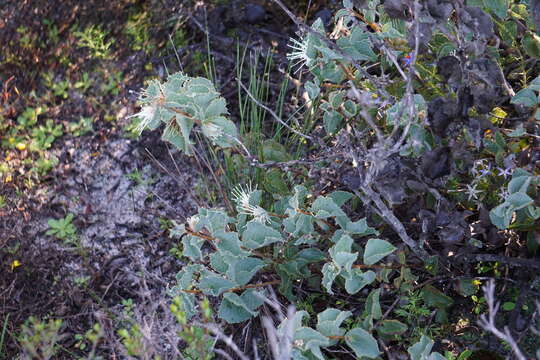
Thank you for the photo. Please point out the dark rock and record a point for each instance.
(424, 36)
(218, 15)
(486, 84)
(441, 112)
(254, 13)
(440, 9)
(477, 21)
(416, 186)
(466, 101)
(449, 67)
(451, 235)
(390, 182)
(398, 9)
(326, 16)
(535, 11)
(427, 219)
(455, 232)
(352, 180)
(442, 218)
(436, 163)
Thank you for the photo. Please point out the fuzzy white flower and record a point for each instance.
(212, 131)
(146, 115)
(299, 53)
(193, 221)
(241, 197)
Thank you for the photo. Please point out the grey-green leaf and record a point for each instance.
(519, 200)
(329, 322)
(234, 310)
(422, 349)
(213, 284)
(525, 97)
(242, 270)
(258, 235)
(330, 271)
(391, 327)
(312, 340)
(376, 249)
(362, 343)
(356, 280)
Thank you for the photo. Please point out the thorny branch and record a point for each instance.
(385, 147)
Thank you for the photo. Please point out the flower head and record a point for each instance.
(299, 53)
(146, 115)
(241, 197)
(472, 192)
(503, 193)
(408, 59)
(506, 172)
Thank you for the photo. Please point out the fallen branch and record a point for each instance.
(488, 322)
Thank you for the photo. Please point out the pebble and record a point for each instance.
(254, 13)
(325, 15)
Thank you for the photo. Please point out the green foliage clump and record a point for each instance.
(182, 103)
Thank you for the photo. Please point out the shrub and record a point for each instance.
(413, 109)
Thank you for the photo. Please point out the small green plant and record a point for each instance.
(44, 164)
(29, 117)
(43, 136)
(94, 38)
(63, 229)
(59, 88)
(137, 28)
(81, 281)
(199, 343)
(111, 82)
(84, 83)
(165, 224)
(40, 339)
(138, 177)
(82, 127)
(132, 340)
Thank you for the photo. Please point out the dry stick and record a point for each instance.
(488, 322)
(391, 219)
(286, 164)
(409, 79)
(374, 197)
(240, 288)
(226, 339)
(274, 115)
(366, 115)
(510, 261)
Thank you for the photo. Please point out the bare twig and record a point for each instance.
(488, 322)
(213, 328)
(390, 218)
(510, 261)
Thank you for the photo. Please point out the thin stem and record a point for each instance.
(274, 115)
